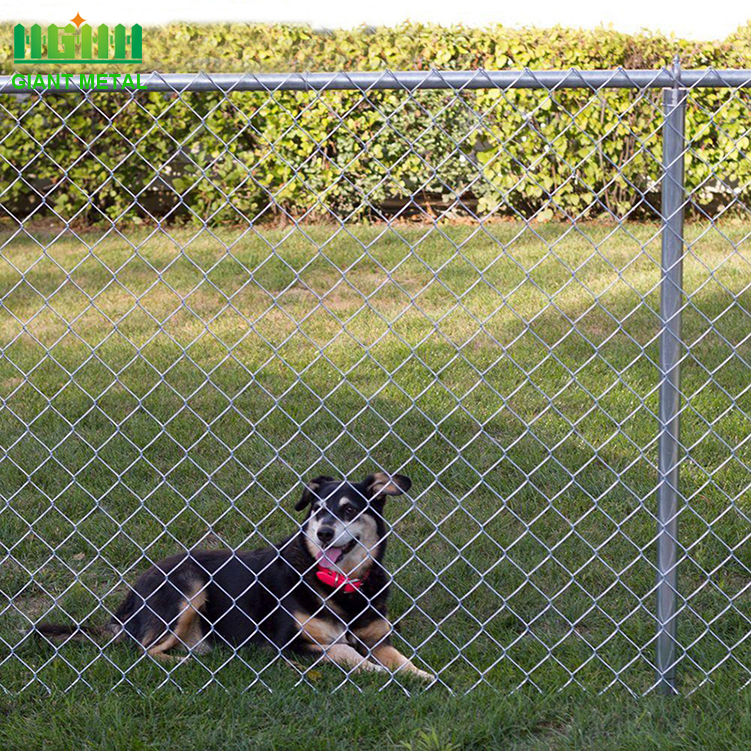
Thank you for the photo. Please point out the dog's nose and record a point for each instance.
(326, 534)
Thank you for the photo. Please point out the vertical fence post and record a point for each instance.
(671, 300)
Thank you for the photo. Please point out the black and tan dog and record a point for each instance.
(322, 591)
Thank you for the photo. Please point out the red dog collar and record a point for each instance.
(333, 579)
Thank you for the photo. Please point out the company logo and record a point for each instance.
(71, 45)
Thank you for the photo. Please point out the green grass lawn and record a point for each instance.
(169, 390)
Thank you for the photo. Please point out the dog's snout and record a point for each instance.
(326, 534)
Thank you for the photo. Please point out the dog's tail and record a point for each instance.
(62, 633)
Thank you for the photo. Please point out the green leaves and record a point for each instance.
(512, 151)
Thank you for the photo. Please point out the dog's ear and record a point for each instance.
(381, 484)
(308, 495)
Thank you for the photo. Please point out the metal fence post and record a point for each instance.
(671, 298)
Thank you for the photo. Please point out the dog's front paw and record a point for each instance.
(427, 677)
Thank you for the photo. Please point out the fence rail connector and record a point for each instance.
(671, 302)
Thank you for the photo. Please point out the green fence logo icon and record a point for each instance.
(75, 44)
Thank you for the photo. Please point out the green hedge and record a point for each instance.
(216, 158)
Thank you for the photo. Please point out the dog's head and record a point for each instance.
(345, 529)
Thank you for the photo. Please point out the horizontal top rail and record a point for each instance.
(414, 80)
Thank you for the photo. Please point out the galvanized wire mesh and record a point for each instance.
(216, 289)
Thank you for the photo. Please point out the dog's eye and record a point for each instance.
(349, 512)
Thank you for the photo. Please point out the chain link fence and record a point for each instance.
(219, 287)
